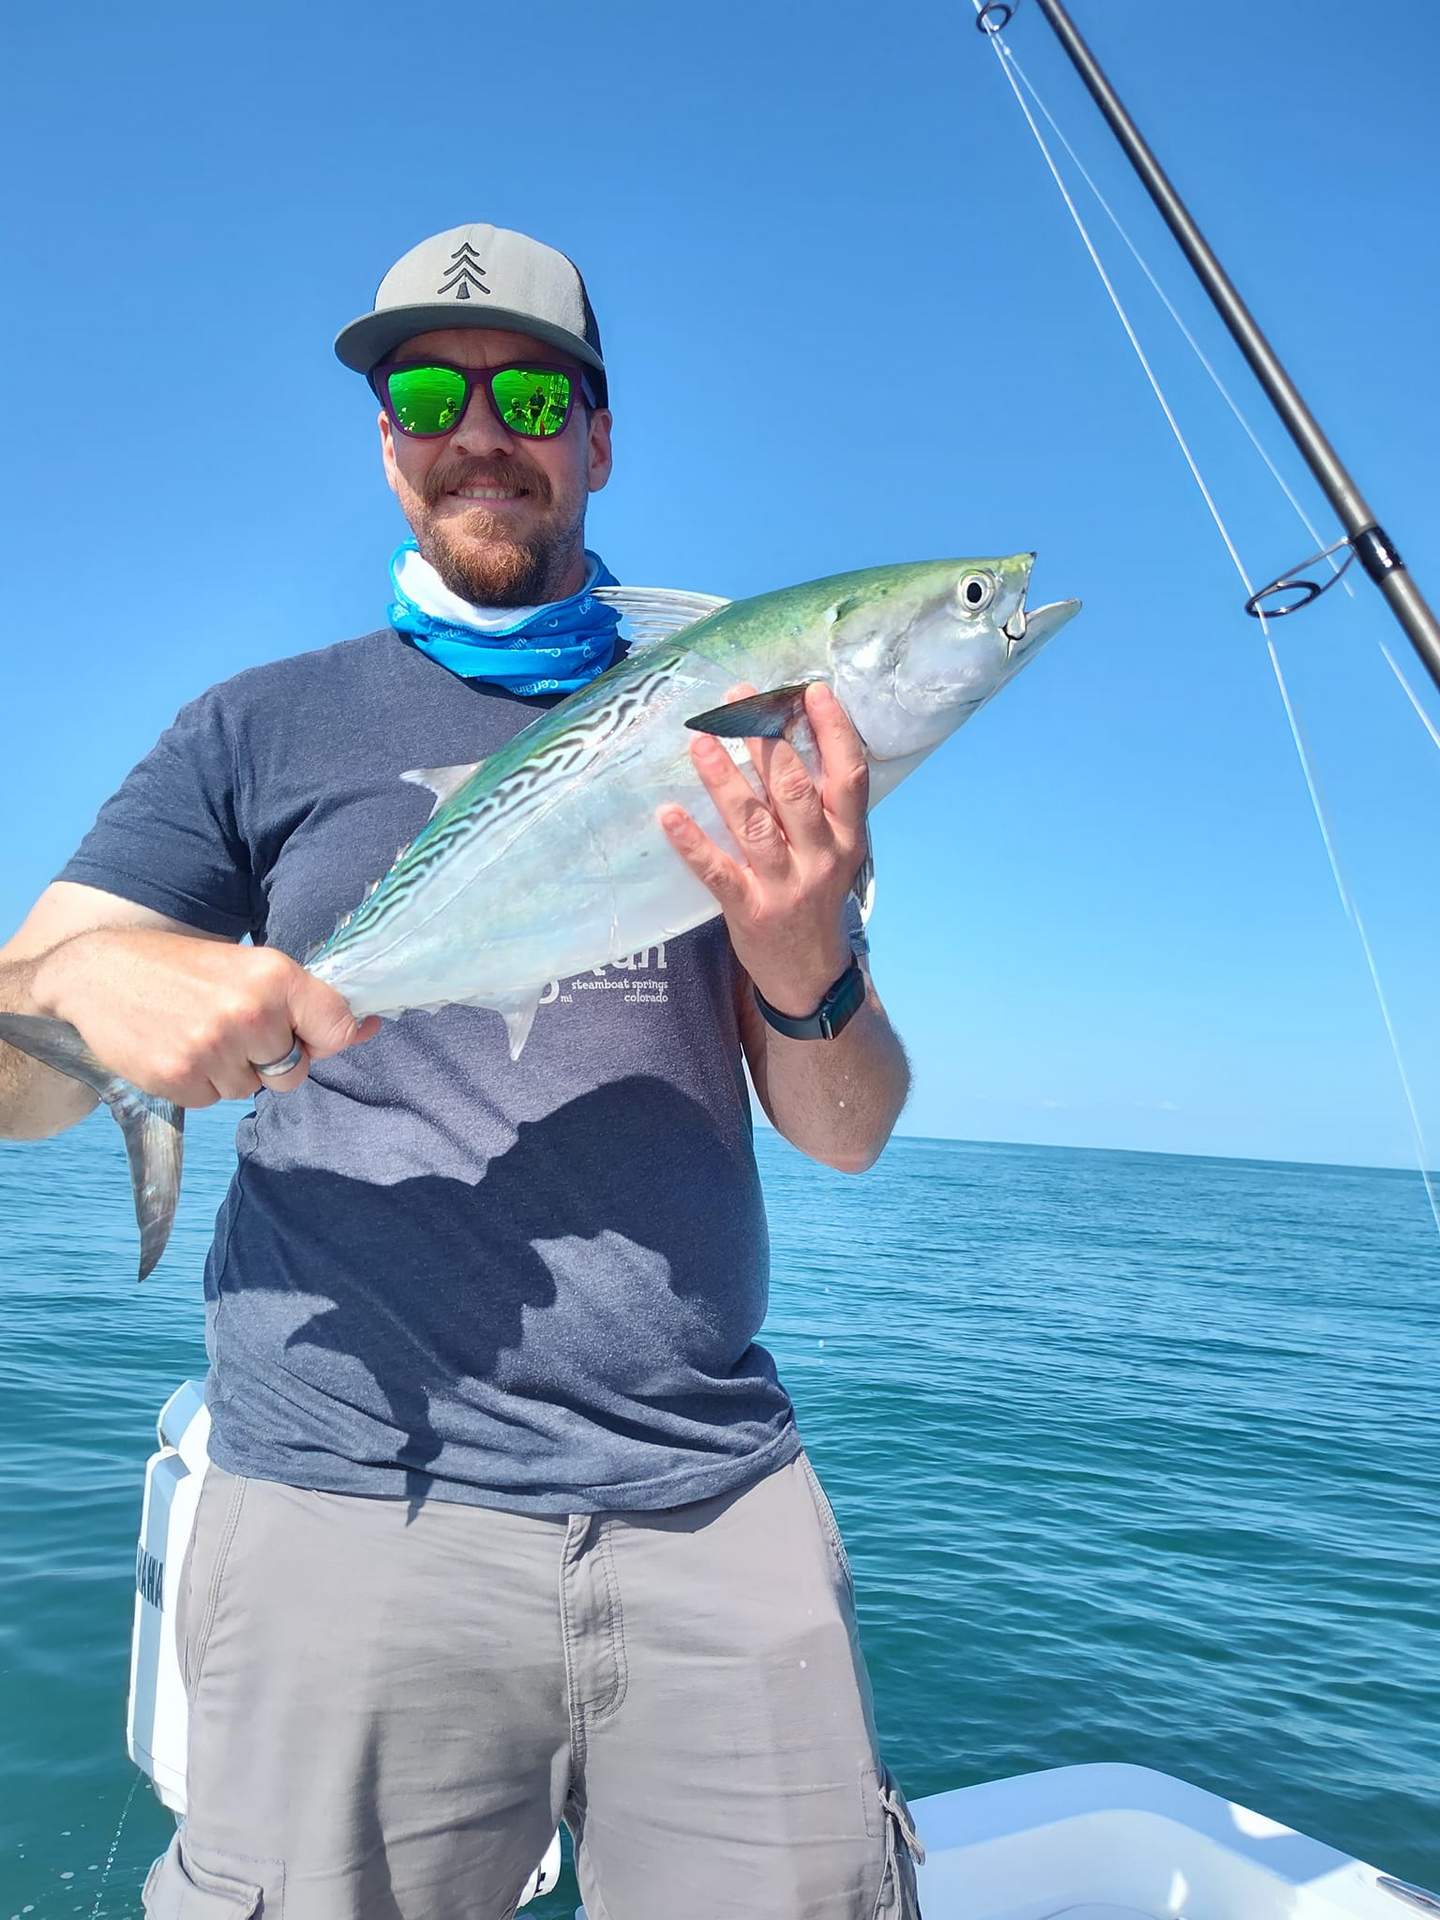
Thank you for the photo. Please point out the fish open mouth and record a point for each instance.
(1037, 625)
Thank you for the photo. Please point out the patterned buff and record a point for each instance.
(549, 649)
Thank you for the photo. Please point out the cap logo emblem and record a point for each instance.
(463, 273)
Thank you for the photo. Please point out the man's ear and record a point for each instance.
(597, 451)
(387, 451)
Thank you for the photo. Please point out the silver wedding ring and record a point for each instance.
(274, 1068)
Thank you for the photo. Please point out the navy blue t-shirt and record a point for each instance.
(533, 1285)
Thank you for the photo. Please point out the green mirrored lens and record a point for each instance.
(531, 401)
(427, 399)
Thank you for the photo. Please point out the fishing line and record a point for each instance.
(1352, 912)
(114, 1844)
(1003, 55)
(1410, 693)
(1353, 915)
(1337, 567)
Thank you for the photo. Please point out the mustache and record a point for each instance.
(445, 477)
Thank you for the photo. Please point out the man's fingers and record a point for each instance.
(177, 1080)
(235, 1080)
(321, 1021)
(799, 798)
(845, 771)
(744, 813)
(705, 860)
(757, 776)
(793, 794)
(278, 1082)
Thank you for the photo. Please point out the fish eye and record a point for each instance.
(975, 592)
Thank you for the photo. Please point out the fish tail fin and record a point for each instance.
(154, 1132)
(154, 1129)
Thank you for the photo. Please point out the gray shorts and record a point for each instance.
(391, 1709)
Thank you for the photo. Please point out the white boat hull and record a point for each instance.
(1126, 1843)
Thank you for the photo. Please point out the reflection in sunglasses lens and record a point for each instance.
(532, 402)
(427, 399)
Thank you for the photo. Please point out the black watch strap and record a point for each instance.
(832, 1015)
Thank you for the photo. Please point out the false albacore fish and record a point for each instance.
(548, 859)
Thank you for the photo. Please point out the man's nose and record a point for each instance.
(479, 432)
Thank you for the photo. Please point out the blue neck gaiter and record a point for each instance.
(551, 649)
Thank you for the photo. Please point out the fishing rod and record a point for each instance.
(1366, 539)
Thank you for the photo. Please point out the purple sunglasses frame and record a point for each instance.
(483, 377)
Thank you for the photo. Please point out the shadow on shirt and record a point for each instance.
(569, 1319)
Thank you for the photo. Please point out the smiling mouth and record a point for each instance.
(488, 495)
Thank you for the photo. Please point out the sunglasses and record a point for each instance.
(426, 398)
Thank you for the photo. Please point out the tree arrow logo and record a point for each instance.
(463, 273)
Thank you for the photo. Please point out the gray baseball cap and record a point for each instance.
(478, 276)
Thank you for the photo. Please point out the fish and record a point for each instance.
(547, 859)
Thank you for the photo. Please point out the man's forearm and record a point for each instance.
(35, 1101)
(838, 1100)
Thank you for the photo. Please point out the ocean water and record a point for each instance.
(1137, 1458)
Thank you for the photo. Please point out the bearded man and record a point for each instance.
(507, 1518)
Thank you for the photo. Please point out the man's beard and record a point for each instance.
(485, 562)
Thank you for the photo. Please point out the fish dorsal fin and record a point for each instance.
(657, 613)
(762, 716)
(441, 781)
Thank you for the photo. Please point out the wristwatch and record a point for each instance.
(832, 1015)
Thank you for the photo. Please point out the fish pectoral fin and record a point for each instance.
(763, 716)
(658, 613)
(863, 885)
(441, 781)
(154, 1129)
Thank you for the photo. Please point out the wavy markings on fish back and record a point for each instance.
(567, 749)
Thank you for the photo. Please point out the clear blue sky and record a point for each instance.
(1104, 914)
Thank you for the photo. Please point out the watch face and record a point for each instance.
(844, 998)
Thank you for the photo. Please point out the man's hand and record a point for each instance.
(803, 845)
(186, 1018)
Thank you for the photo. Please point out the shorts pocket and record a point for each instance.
(899, 1895)
(216, 1519)
(825, 1513)
(179, 1890)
